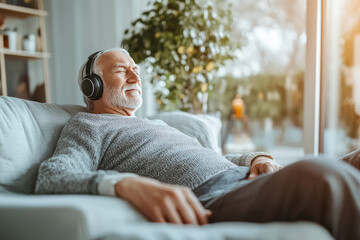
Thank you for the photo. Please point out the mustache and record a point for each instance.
(131, 87)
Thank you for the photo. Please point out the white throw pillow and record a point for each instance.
(205, 128)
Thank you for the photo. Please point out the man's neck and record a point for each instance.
(100, 109)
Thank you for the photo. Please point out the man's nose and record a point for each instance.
(133, 77)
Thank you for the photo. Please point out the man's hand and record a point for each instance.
(161, 202)
(263, 164)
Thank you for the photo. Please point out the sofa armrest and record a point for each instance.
(63, 216)
(42, 223)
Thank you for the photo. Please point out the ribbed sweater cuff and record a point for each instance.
(107, 184)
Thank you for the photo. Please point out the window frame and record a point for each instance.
(313, 78)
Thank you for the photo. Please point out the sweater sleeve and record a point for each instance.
(245, 159)
(73, 167)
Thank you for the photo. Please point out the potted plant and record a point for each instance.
(182, 43)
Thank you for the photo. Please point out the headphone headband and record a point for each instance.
(90, 62)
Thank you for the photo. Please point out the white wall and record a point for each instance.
(77, 28)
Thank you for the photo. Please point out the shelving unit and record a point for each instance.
(25, 54)
(19, 12)
(22, 12)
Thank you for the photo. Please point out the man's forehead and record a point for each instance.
(117, 59)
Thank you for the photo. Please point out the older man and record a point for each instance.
(170, 177)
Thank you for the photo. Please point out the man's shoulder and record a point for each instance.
(79, 116)
(94, 119)
(84, 123)
(82, 118)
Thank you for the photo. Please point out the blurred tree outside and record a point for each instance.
(264, 95)
(183, 43)
(268, 71)
(273, 31)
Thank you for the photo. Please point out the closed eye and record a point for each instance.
(136, 70)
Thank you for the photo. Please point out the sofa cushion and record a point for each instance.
(28, 135)
(205, 128)
(221, 231)
(109, 218)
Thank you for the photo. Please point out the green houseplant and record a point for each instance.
(182, 43)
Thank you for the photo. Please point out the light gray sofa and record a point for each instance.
(28, 135)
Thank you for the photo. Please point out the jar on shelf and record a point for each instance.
(29, 43)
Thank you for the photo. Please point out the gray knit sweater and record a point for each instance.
(92, 146)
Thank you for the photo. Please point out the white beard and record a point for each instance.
(118, 98)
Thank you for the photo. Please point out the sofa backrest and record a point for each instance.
(28, 135)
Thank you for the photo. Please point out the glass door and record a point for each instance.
(340, 114)
(261, 93)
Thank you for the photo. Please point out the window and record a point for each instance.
(268, 75)
(340, 115)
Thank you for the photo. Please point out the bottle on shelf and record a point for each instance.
(38, 41)
(10, 38)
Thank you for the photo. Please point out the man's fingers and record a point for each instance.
(186, 212)
(201, 213)
(279, 167)
(266, 168)
(171, 213)
(252, 176)
(157, 216)
(254, 172)
(165, 203)
(263, 167)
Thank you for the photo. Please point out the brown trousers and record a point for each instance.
(325, 192)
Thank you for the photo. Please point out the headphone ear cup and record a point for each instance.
(92, 87)
(98, 87)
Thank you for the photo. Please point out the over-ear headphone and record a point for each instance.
(92, 85)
